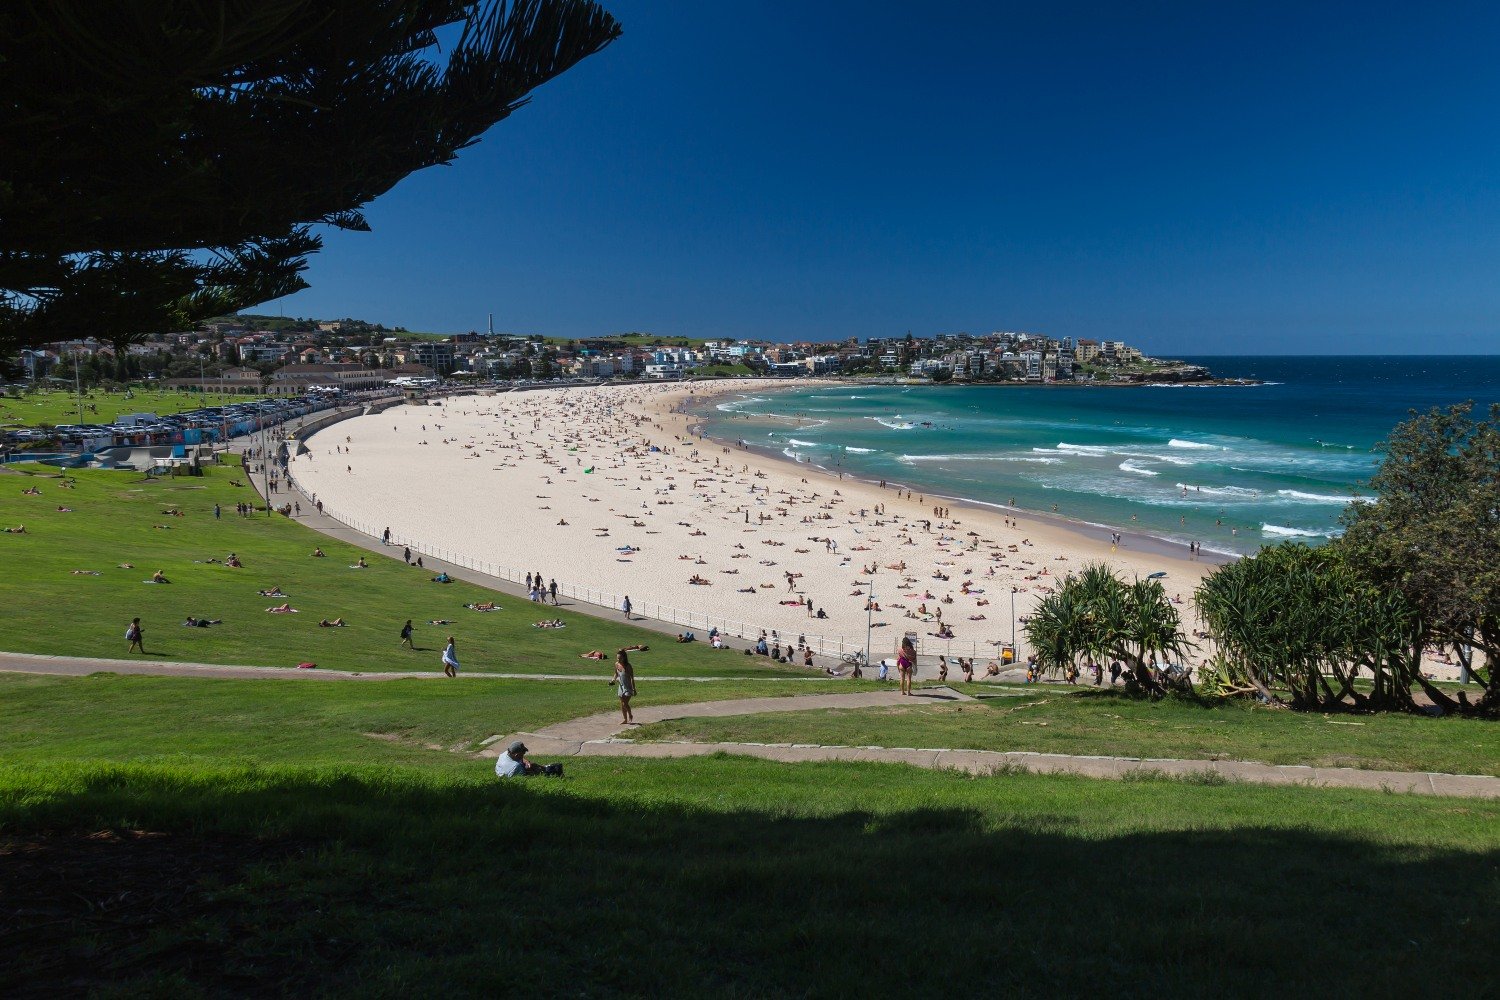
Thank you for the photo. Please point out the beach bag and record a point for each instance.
(130, 632)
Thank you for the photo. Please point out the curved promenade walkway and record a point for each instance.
(599, 736)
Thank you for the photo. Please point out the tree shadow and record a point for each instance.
(384, 882)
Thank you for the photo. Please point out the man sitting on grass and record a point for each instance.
(513, 764)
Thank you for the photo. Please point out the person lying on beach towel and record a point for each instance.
(191, 622)
(86, 572)
(158, 577)
(282, 609)
(484, 606)
(549, 623)
(336, 623)
(273, 592)
(592, 654)
(441, 621)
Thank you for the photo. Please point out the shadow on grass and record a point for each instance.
(383, 883)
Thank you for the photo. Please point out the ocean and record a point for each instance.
(1232, 467)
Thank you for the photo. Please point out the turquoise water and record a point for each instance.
(1232, 467)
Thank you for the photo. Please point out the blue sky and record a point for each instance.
(1194, 178)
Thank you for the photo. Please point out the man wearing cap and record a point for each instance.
(513, 764)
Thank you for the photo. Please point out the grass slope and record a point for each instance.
(213, 721)
(58, 407)
(1104, 723)
(731, 877)
(114, 520)
(174, 837)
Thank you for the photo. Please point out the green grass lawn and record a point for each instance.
(1112, 724)
(723, 371)
(52, 407)
(173, 837)
(119, 717)
(114, 520)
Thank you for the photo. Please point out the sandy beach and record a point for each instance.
(606, 488)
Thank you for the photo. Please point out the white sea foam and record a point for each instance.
(1242, 492)
(1284, 532)
(1038, 459)
(860, 451)
(1321, 497)
(1103, 451)
(1131, 465)
(735, 404)
(896, 424)
(804, 444)
(1179, 443)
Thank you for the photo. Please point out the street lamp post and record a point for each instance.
(1013, 620)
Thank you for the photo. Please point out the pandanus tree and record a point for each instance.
(1299, 627)
(1096, 614)
(184, 149)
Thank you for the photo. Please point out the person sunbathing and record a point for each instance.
(592, 654)
(32, 492)
(441, 621)
(273, 592)
(483, 606)
(360, 563)
(191, 622)
(159, 577)
(442, 577)
(336, 623)
(85, 572)
(233, 562)
(65, 510)
(319, 553)
(19, 529)
(282, 609)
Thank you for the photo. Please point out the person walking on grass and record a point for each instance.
(136, 635)
(406, 631)
(450, 659)
(624, 678)
(906, 663)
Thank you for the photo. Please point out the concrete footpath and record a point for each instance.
(600, 736)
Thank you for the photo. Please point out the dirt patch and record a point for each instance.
(81, 912)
